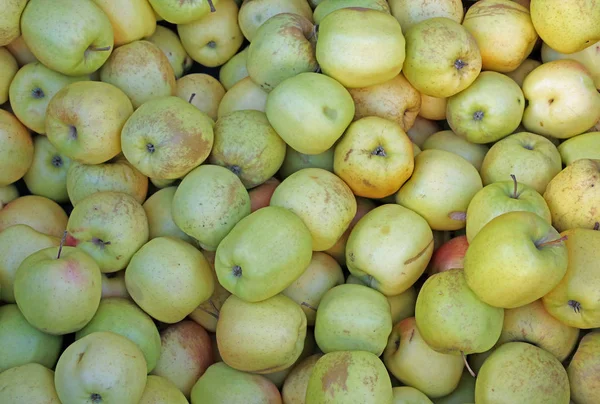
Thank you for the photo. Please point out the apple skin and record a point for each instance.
(584, 146)
(582, 369)
(21, 52)
(409, 13)
(10, 21)
(234, 69)
(17, 149)
(182, 12)
(295, 384)
(433, 107)
(450, 255)
(72, 37)
(32, 383)
(204, 90)
(449, 141)
(422, 128)
(170, 44)
(161, 390)
(323, 10)
(160, 219)
(589, 57)
(9, 67)
(40, 213)
(519, 74)
(245, 94)
(253, 14)
(130, 21)
(260, 196)
(113, 285)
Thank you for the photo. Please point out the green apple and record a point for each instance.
(409, 12)
(584, 146)
(160, 219)
(464, 392)
(21, 343)
(501, 197)
(8, 194)
(563, 100)
(456, 64)
(168, 278)
(488, 110)
(326, 7)
(123, 317)
(224, 384)
(295, 161)
(113, 285)
(117, 174)
(515, 259)
(310, 346)
(72, 37)
(177, 12)
(253, 14)
(101, 367)
(295, 384)
(10, 20)
(130, 21)
(261, 337)
(364, 380)
(30, 383)
(21, 52)
(383, 255)
(532, 158)
(167, 137)
(161, 390)
(141, 70)
(406, 394)
(245, 94)
(16, 155)
(32, 89)
(589, 57)
(110, 226)
(352, 52)
(583, 368)
(47, 175)
(518, 372)
(168, 42)
(58, 289)
(84, 121)
(519, 74)
(40, 213)
(447, 140)
(215, 38)
(9, 67)
(202, 91)
(234, 69)
(287, 41)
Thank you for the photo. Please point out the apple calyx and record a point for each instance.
(95, 398)
(99, 242)
(192, 96)
(212, 44)
(57, 161)
(478, 115)
(237, 170)
(464, 357)
(237, 271)
(150, 148)
(379, 151)
(62, 243)
(551, 242)
(211, 5)
(37, 93)
(575, 305)
(596, 226)
(459, 64)
(308, 306)
(515, 194)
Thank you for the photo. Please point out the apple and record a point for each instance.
(177, 12)
(296, 383)
(295, 161)
(410, 394)
(31, 382)
(9, 67)
(253, 14)
(168, 278)
(130, 21)
(532, 158)
(161, 390)
(447, 140)
(47, 175)
(409, 12)
(8, 193)
(16, 155)
(234, 69)
(10, 21)
(456, 64)
(40, 213)
(260, 196)
(350, 51)
(433, 108)
(422, 129)
(170, 44)
(245, 94)
(84, 121)
(582, 369)
(450, 255)
(326, 7)
(72, 37)
(586, 146)
(589, 57)
(526, 67)
(113, 285)
(21, 52)
(160, 219)
(202, 91)
(167, 137)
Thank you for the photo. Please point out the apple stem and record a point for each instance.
(552, 242)
(102, 49)
(62, 242)
(596, 226)
(192, 97)
(467, 364)
(308, 305)
(212, 6)
(210, 313)
(515, 194)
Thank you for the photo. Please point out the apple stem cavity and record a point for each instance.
(575, 305)
(596, 226)
(308, 306)
(237, 271)
(100, 243)
(192, 96)
(62, 243)
(464, 357)
(515, 194)
(212, 44)
(379, 151)
(552, 242)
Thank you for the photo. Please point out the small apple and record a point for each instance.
(526, 67)
(409, 12)
(177, 12)
(17, 151)
(582, 369)
(113, 285)
(9, 67)
(296, 383)
(21, 52)
(584, 146)
(40, 213)
(450, 255)
(447, 140)
(160, 219)
(260, 196)
(32, 383)
(8, 193)
(161, 390)
(10, 21)
(433, 108)
(234, 69)
(253, 14)
(422, 129)
(202, 91)
(245, 94)
(130, 21)
(168, 42)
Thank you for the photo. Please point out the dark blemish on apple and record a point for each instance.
(478, 115)
(596, 226)
(351, 256)
(379, 151)
(96, 398)
(237, 271)
(192, 96)
(72, 132)
(57, 161)
(212, 44)
(330, 113)
(37, 93)
(550, 101)
(416, 257)
(99, 242)
(412, 334)
(541, 124)
(150, 148)
(347, 156)
(575, 305)
(397, 343)
(80, 357)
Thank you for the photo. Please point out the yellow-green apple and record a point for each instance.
(366, 380)
(47, 175)
(450, 255)
(10, 20)
(202, 91)
(30, 383)
(438, 67)
(21, 343)
(32, 89)
(518, 372)
(395, 99)
(353, 317)
(84, 121)
(215, 38)
(407, 394)
(416, 364)
(322, 200)
(501, 197)
(285, 243)
(186, 353)
(584, 146)
(247, 145)
(526, 67)
(296, 161)
(440, 189)
(504, 33)
(260, 196)
(572, 195)
(123, 317)
(537, 262)
(168, 42)
(452, 319)
(168, 278)
(162, 183)
(116, 175)
(356, 55)
(21, 52)
(326, 7)
(8, 193)
(8, 67)
(563, 100)
(40, 213)
(101, 367)
(396, 260)
(141, 70)
(374, 157)
(72, 37)
(410, 12)
(583, 368)
(532, 323)
(254, 13)
(589, 57)
(160, 218)
(481, 118)
(433, 108)
(422, 128)
(208, 203)
(464, 392)
(322, 274)
(113, 285)
(130, 21)
(532, 158)
(574, 301)
(58, 289)
(234, 69)
(566, 28)
(245, 94)
(261, 337)
(167, 137)
(447, 140)
(182, 12)
(161, 390)
(295, 384)
(288, 42)
(224, 384)
(16, 155)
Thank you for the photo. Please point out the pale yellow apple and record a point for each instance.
(234, 69)
(202, 91)
(38, 212)
(326, 7)
(160, 390)
(8, 69)
(16, 154)
(447, 140)
(526, 67)
(160, 218)
(182, 12)
(584, 146)
(113, 285)
(170, 44)
(10, 27)
(411, 12)
(30, 383)
(130, 20)
(294, 387)
(21, 52)
(8, 193)
(245, 94)
(589, 57)
(422, 129)
(254, 13)
(433, 108)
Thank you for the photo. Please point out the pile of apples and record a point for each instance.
(299, 201)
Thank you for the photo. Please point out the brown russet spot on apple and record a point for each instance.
(337, 374)
(80, 357)
(348, 153)
(192, 96)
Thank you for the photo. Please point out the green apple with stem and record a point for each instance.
(31, 382)
(177, 12)
(202, 91)
(449, 141)
(168, 42)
